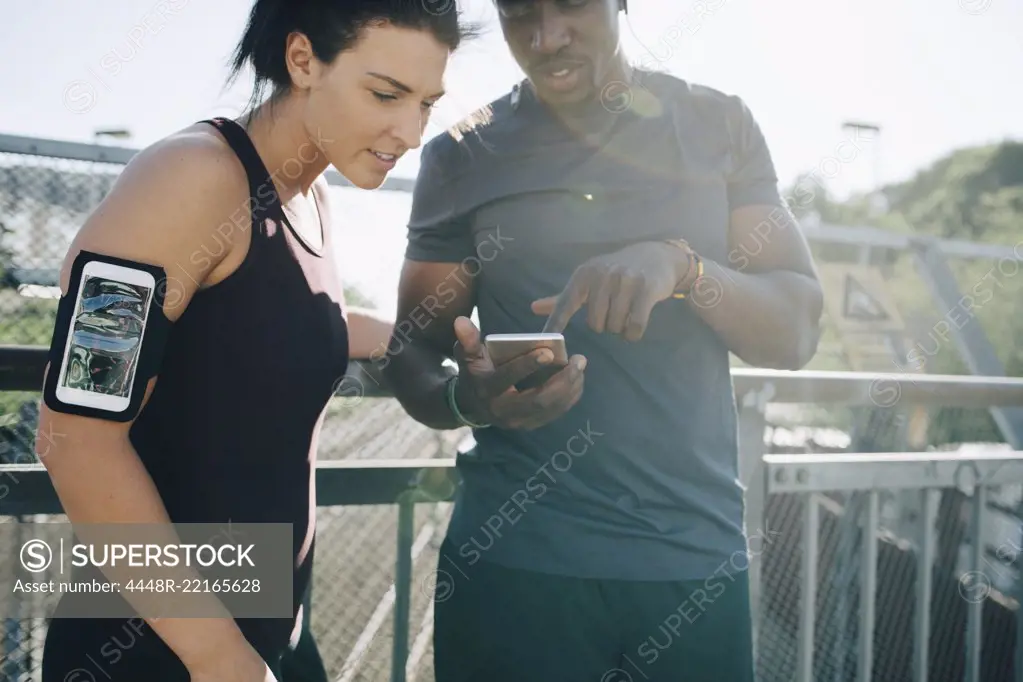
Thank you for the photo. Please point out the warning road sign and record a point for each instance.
(858, 304)
(857, 299)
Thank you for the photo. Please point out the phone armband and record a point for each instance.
(108, 339)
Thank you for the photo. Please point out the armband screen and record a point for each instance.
(108, 338)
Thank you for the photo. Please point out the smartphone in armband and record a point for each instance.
(505, 347)
(104, 337)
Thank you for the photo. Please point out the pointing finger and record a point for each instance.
(544, 306)
(568, 304)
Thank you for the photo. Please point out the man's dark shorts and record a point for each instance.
(495, 624)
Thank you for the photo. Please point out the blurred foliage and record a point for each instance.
(356, 298)
(26, 321)
(973, 194)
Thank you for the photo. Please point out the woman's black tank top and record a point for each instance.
(230, 430)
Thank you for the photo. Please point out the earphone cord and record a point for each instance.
(632, 31)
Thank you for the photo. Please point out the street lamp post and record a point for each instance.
(876, 197)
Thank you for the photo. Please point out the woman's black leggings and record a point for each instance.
(105, 650)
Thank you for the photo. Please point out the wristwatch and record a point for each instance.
(695, 265)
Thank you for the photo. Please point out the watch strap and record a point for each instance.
(695, 264)
(452, 384)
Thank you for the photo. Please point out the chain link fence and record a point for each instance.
(43, 201)
(842, 523)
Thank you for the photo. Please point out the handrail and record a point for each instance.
(102, 153)
(21, 369)
(866, 235)
(26, 488)
(881, 389)
(862, 471)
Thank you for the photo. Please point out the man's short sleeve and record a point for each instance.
(753, 179)
(437, 230)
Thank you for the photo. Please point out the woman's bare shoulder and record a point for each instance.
(194, 156)
(167, 204)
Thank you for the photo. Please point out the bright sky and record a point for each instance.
(936, 75)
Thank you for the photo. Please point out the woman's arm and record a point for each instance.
(165, 209)
(368, 331)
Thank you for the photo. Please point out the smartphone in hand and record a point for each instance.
(504, 347)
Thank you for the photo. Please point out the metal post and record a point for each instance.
(924, 585)
(17, 658)
(845, 576)
(752, 474)
(875, 194)
(402, 588)
(975, 606)
(808, 591)
(1018, 657)
(868, 586)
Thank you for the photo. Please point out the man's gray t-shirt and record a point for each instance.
(639, 480)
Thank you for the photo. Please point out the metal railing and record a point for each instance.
(338, 483)
(810, 477)
(99, 153)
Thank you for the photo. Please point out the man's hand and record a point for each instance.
(619, 289)
(486, 392)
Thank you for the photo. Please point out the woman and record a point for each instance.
(236, 214)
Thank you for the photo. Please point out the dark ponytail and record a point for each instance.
(332, 26)
(263, 46)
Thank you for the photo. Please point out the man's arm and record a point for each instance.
(433, 291)
(766, 302)
(415, 362)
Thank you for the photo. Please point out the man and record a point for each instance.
(597, 533)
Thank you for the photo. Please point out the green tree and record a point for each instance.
(973, 194)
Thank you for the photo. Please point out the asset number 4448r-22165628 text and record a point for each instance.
(244, 585)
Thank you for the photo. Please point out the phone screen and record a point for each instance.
(105, 336)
